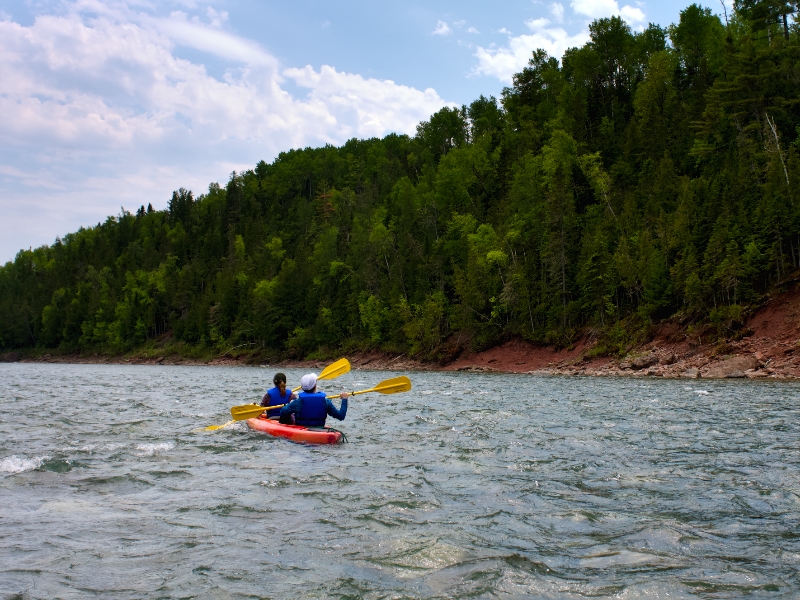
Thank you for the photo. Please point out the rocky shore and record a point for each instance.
(770, 350)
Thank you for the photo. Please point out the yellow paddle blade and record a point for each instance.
(393, 385)
(333, 370)
(246, 411)
(215, 427)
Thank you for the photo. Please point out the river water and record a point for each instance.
(470, 486)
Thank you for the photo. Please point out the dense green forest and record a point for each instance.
(644, 176)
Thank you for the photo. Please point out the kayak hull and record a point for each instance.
(296, 433)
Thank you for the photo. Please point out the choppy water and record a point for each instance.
(472, 485)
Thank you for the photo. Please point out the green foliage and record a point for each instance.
(726, 320)
(425, 324)
(645, 174)
(620, 337)
(374, 317)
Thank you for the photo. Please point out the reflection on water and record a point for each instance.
(472, 485)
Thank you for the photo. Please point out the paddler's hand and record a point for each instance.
(344, 395)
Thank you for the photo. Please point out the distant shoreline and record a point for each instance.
(513, 357)
(771, 350)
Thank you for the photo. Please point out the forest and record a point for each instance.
(648, 175)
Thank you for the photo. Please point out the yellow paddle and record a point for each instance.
(390, 386)
(250, 411)
(332, 371)
(215, 427)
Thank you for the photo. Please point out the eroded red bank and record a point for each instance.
(771, 350)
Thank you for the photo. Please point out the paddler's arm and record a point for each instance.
(340, 413)
(290, 410)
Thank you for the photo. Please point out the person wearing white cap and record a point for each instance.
(311, 408)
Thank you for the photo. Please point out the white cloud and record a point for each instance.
(195, 34)
(97, 111)
(216, 19)
(442, 28)
(596, 9)
(363, 107)
(460, 23)
(472, 30)
(505, 61)
(557, 12)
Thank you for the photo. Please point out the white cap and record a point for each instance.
(309, 382)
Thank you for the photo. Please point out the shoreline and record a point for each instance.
(771, 350)
(519, 357)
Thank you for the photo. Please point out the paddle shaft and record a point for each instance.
(250, 411)
(266, 408)
(350, 394)
(329, 398)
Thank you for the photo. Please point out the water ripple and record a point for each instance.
(476, 485)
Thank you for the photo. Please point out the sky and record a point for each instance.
(109, 105)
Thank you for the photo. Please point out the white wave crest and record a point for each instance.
(151, 449)
(16, 464)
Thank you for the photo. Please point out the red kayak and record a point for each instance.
(296, 433)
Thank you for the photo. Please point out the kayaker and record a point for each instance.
(311, 407)
(277, 396)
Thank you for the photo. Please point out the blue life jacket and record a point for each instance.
(314, 411)
(275, 399)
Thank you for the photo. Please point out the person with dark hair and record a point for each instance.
(311, 407)
(277, 396)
